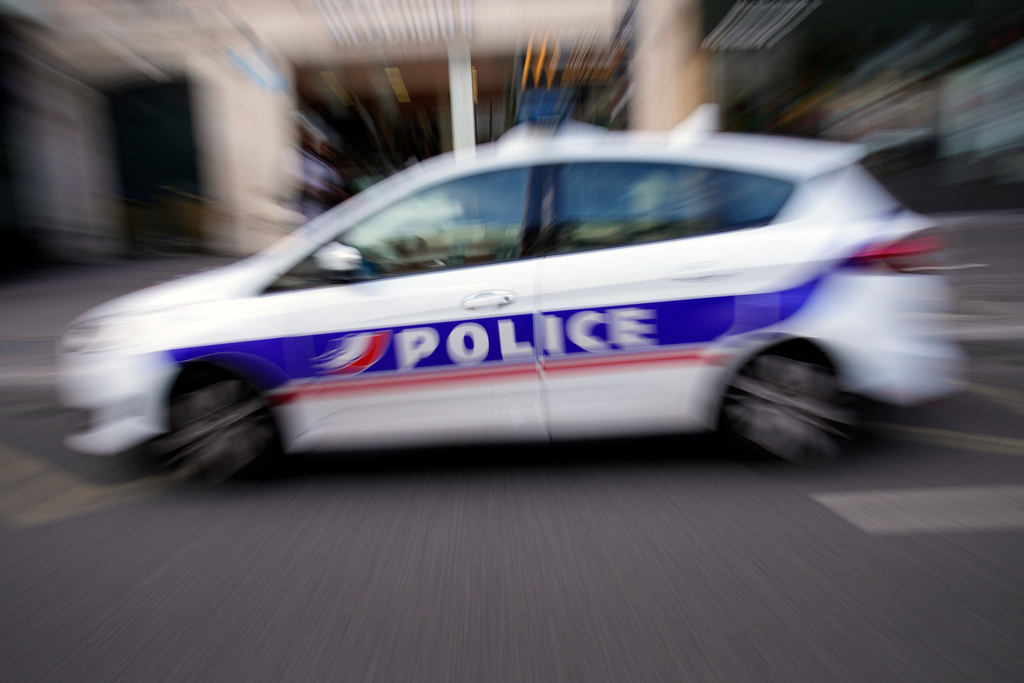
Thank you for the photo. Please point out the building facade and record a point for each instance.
(179, 124)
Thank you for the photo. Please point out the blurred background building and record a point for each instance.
(932, 89)
(139, 126)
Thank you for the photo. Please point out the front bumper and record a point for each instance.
(123, 395)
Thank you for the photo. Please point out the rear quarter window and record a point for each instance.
(747, 200)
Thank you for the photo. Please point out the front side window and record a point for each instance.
(464, 222)
(616, 204)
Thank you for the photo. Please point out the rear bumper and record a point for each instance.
(887, 336)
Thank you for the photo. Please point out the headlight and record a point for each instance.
(106, 334)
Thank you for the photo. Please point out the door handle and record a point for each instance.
(703, 272)
(493, 299)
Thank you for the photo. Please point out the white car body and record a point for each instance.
(632, 339)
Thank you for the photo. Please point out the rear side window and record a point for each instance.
(616, 204)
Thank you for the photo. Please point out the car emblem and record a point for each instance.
(353, 353)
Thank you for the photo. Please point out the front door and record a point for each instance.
(436, 344)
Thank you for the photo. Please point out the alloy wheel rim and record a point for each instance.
(791, 409)
(217, 430)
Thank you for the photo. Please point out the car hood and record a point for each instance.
(225, 282)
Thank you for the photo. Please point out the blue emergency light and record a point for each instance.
(546, 107)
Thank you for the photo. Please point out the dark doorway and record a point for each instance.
(156, 157)
(16, 246)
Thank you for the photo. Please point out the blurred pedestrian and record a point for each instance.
(321, 182)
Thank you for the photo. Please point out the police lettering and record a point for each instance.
(592, 331)
(510, 348)
(467, 344)
(412, 346)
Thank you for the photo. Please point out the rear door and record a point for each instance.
(648, 264)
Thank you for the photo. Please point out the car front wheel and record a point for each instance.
(219, 427)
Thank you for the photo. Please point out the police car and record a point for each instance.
(551, 286)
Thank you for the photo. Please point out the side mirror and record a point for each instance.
(338, 262)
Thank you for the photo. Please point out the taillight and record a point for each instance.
(912, 254)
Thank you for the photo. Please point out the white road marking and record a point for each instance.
(955, 508)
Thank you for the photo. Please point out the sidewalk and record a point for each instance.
(985, 248)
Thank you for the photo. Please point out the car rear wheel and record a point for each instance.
(220, 426)
(791, 407)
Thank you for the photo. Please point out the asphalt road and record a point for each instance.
(653, 560)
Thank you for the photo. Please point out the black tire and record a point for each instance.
(789, 405)
(220, 426)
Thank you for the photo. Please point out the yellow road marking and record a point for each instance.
(1012, 400)
(1002, 445)
(33, 492)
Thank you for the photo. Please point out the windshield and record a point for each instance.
(298, 244)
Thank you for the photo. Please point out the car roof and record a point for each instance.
(792, 159)
(786, 157)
